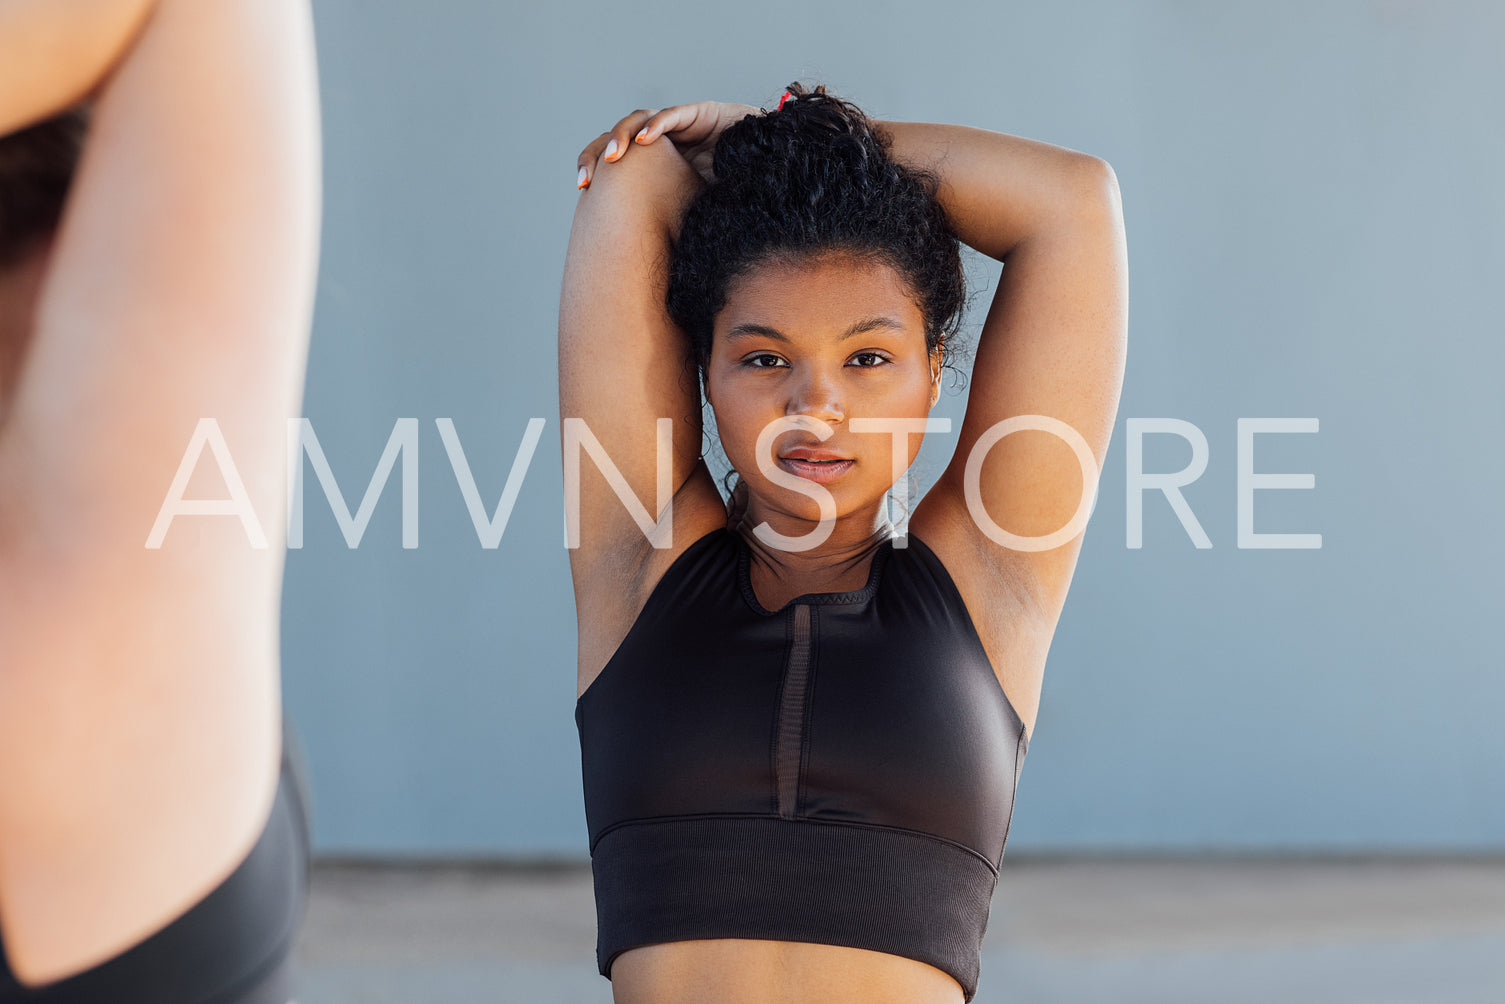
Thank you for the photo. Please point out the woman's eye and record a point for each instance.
(768, 361)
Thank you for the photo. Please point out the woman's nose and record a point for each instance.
(819, 397)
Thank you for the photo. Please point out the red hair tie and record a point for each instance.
(786, 97)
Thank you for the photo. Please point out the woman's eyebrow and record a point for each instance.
(748, 329)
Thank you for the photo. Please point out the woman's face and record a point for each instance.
(831, 338)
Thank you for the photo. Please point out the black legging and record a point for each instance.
(235, 946)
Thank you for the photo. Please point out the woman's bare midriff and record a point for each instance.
(741, 971)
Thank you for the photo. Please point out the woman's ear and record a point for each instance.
(937, 360)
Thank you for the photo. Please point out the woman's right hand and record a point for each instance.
(692, 128)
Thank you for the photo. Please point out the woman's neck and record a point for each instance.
(837, 564)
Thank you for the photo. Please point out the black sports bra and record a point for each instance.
(840, 771)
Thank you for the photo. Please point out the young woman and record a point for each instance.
(801, 734)
(159, 205)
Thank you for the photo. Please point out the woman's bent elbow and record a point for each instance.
(1097, 187)
(650, 181)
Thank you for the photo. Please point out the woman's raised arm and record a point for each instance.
(1054, 342)
(623, 363)
(180, 282)
(139, 695)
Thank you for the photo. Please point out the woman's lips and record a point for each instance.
(823, 472)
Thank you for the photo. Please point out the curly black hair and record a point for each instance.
(36, 169)
(812, 178)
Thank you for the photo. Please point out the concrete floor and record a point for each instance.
(1378, 931)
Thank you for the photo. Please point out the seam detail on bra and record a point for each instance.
(808, 732)
(776, 730)
(798, 821)
(792, 710)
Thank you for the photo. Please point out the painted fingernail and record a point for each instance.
(611, 147)
(641, 133)
(580, 182)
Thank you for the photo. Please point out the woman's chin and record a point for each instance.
(773, 501)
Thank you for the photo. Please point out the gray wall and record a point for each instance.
(1313, 202)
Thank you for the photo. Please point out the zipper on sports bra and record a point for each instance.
(791, 737)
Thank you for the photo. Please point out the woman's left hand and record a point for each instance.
(692, 128)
